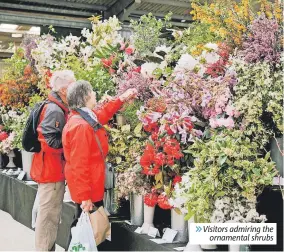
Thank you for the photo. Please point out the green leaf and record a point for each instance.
(138, 129)
(118, 160)
(222, 159)
(125, 128)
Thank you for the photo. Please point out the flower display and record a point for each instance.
(151, 199)
(131, 181)
(262, 42)
(235, 210)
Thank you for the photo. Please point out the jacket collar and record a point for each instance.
(54, 97)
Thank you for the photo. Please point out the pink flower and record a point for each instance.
(213, 123)
(229, 110)
(237, 113)
(122, 46)
(129, 50)
(229, 123)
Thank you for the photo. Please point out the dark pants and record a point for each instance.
(78, 213)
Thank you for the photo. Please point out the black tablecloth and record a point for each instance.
(123, 238)
(17, 198)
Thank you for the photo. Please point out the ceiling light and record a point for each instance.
(17, 35)
(9, 26)
(35, 29)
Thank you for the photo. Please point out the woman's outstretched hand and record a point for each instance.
(128, 94)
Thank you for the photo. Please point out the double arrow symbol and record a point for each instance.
(198, 229)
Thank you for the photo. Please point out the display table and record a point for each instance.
(17, 199)
(123, 238)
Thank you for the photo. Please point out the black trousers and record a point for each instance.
(78, 214)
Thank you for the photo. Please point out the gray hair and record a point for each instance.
(61, 79)
(78, 94)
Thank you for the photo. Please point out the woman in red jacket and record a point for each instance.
(85, 162)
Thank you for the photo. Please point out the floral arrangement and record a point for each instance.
(210, 97)
(131, 181)
(236, 210)
(227, 160)
(6, 142)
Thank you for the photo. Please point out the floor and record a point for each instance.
(15, 236)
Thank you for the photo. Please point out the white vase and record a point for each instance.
(11, 155)
(179, 224)
(234, 247)
(208, 246)
(191, 247)
(136, 209)
(27, 159)
(148, 218)
(149, 215)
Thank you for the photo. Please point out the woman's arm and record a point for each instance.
(110, 108)
(107, 111)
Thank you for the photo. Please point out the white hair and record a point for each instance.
(61, 79)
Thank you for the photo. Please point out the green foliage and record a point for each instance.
(147, 31)
(126, 146)
(198, 34)
(130, 113)
(226, 161)
(259, 98)
(15, 65)
(99, 78)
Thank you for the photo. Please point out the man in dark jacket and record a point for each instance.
(48, 165)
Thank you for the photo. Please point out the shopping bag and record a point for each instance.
(82, 235)
(100, 224)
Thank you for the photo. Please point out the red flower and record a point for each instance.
(129, 50)
(107, 62)
(150, 199)
(188, 124)
(154, 136)
(151, 127)
(137, 69)
(3, 135)
(111, 71)
(177, 179)
(160, 159)
(148, 156)
(170, 160)
(47, 77)
(169, 131)
(163, 202)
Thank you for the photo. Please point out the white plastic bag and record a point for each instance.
(82, 235)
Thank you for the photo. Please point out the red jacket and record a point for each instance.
(85, 170)
(48, 164)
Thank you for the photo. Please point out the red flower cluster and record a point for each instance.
(163, 202)
(152, 159)
(3, 135)
(218, 68)
(151, 199)
(47, 76)
(177, 179)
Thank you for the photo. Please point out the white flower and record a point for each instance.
(212, 46)
(210, 57)
(186, 62)
(147, 69)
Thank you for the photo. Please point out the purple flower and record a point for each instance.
(263, 41)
